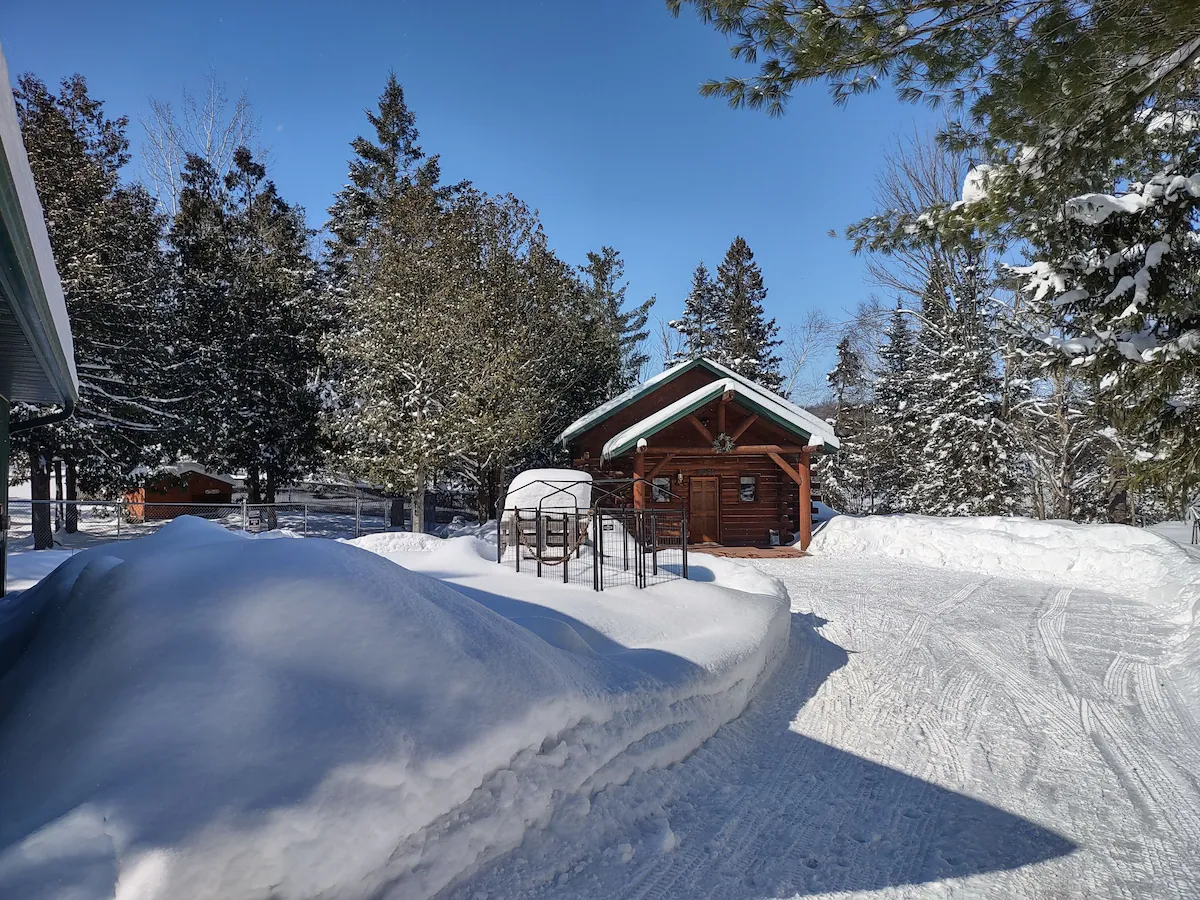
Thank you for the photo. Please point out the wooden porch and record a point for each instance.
(748, 552)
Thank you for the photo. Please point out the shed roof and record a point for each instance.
(37, 356)
(768, 404)
(183, 467)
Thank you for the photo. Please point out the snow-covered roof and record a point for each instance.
(549, 489)
(182, 467)
(778, 409)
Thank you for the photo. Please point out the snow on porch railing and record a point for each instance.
(604, 545)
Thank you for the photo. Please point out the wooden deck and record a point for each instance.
(748, 552)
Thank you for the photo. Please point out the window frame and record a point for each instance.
(665, 497)
(753, 480)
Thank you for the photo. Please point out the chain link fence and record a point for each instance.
(42, 524)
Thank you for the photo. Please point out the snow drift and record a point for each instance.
(197, 715)
(1118, 559)
(1115, 558)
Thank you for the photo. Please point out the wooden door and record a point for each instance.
(704, 521)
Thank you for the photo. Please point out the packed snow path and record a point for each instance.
(935, 733)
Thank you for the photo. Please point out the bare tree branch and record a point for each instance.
(209, 126)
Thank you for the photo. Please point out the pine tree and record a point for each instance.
(249, 320)
(538, 351)
(704, 315)
(602, 276)
(1059, 102)
(896, 440)
(848, 477)
(395, 265)
(106, 241)
(748, 339)
(969, 464)
(1065, 78)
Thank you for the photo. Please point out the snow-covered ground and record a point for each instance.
(1178, 531)
(964, 708)
(198, 715)
(932, 732)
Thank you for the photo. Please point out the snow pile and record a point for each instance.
(549, 489)
(1132, 562)
(975, 185)
(395, 542)
(198, 715)
(1116, 558)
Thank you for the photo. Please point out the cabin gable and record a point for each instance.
(749, 487)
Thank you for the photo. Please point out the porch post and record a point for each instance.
(805, 523)
(802, 475)
(639, 484)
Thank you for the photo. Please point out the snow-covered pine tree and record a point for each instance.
(395, 267)
(1119, 274)
(602, 276)
(704, 316)
(970, 462)
(847, 477)
(537, 350)
(248, 323)
(896, 440)
(106, 240)
(748, 339)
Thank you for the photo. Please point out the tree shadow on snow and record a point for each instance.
(762, 811)
(801, 817)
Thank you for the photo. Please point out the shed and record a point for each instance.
(182, 484)
(739, 454)
(37, 357)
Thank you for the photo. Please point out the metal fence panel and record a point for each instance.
(602, 548)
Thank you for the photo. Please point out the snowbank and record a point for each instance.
(395, 542)
(197, 715)
(1115, 558)
(1119, 559)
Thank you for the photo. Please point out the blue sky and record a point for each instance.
(587, 112)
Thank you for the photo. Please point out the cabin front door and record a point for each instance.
(704, 521)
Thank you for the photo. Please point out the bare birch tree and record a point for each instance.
(210, 126)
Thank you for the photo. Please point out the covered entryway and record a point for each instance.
(704, 517)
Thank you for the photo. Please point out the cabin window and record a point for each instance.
(748, 489)
(661, 490)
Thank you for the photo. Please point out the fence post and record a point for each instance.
(566, 548)
(537, 527)
(683, 538)
(357, 514)
(599, 543)
(654, 538)
(625, 541)
(120, 515)
(499, 536)
(306, 520)
(517, 536)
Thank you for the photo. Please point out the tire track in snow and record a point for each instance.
(957, 598)
(1050, 627)
(757, 809)
(1116, 678)
(1158, 699)
(1154, 796)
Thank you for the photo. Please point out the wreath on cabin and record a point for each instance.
(723, 443)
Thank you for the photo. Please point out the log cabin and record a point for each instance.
(738, 454)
